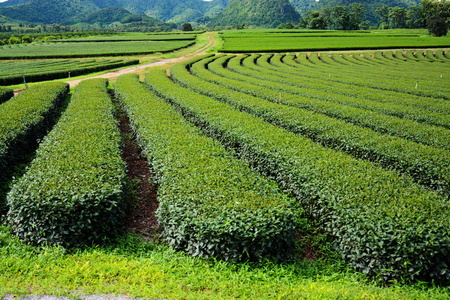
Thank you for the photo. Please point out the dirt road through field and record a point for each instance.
(117, 73)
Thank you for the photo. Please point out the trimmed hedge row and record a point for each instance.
(422, 133)
(358, 97)
(307, 79)
(24, 120)
(71, 194)
(427, 165)
(5, 94)
(382, 80)
(211, 204)
(435, 136)
(383, 224)
(74, 71)
(336, 94)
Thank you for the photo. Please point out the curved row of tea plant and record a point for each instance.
(5, 94)
(382, 223)
(311, 91)
(346, 65)
(26, 118)
(71, 194)
(422, 133)
(211, 204)
(433, 86)
(307, 80)
(26, 67)
(427, 73)
(72, 68)
(427, 165)
(415, 78)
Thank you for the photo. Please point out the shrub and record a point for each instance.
(71, 193)
(211, 204)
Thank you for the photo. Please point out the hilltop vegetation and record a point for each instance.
(261, 13)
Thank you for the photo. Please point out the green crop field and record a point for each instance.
(87, 49)
(134, 37)
(320, 175)
(33, 71)
(285, 41)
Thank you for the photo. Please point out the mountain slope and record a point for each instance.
(261, 13)
(13, 2)
(167, 9)
(48, 11)
(105, 16)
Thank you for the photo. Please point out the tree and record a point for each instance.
(414, 17)
(14, 40)
(437, 16)
(437, 26)
(26, 39)
(383, 13)
(286, 26)
(397, 17)
(315, 20)
(187, 27)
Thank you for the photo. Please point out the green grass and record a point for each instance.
(137, 269)
(278, 41)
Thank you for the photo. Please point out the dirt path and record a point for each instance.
(117, 73)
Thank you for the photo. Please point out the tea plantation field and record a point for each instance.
(319, 175)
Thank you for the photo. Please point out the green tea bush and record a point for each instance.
(71, 194)
(383, 224)
(211, 204)
(427, 165)
(431, 135)
(24, 120)
(61, 71)
(5, 94)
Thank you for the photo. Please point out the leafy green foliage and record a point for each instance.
(24, 120)
(71, 194)
(48, 11)
(260, 13)
(5, 94)
(106, 15)
(14, 72)
(428, 165)
(383, 224)
(211, 204)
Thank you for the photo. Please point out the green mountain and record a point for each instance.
(260, 13)
(264, 13)
(168, 10)
(48, 11)
(13, 2)
(104, 16)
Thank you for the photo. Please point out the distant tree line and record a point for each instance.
(433, 15)
(17, 38)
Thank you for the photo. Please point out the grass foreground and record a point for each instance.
(148, 270)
